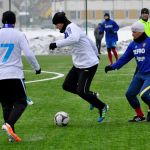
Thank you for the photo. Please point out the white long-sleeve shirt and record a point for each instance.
(84, 54)
(12, 43)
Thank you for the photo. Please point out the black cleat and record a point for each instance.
(137, 119)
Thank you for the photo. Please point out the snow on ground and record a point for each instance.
(39, 40)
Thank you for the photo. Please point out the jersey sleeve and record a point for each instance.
(28, 53)
(115, 27)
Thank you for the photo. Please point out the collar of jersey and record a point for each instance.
(8, 26)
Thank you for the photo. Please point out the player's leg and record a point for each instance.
(114, 50)
(109, 52)
(145, 93)
(7, 107)
(131, 96)
(29, 100)
(100, 41)
(98, 45)
(71, 81)
(17, 94)
(84, 82)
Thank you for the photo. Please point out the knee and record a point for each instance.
(22, 102)
(81, 92)
(65, 87)
(144, 96)
(108, 49)
(129, 95)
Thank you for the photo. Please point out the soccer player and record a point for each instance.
(12, 89)
(85, 62)
(139, 49)
(98, 37)
(111, 37)
(144, 18)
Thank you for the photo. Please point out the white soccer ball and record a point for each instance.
(61, 118)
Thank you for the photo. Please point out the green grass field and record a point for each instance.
(36, 126)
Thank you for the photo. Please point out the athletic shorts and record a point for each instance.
(110, 44)
(12, 89)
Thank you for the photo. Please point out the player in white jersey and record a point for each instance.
(12, 89)
(85, 62)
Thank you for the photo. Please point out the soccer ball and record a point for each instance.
(61, 118)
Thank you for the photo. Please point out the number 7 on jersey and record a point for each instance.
(9, 48)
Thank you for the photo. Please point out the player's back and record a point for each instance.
(10, 53)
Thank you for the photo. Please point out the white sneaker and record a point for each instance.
(29, 101)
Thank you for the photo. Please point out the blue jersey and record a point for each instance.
(139, 51)
(110, 27)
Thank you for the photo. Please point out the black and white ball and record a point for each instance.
(61, 118)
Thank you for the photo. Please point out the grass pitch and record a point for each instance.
(36, 126)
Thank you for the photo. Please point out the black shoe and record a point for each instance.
(148, 117)
(137, 119)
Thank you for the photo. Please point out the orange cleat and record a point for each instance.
(11, 135)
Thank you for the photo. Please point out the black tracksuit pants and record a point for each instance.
(13, 100)
(78, 81)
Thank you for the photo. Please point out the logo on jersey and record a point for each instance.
(139, 51)
(68, 32)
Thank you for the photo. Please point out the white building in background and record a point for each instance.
(123, 11)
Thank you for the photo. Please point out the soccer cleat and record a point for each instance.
(137, 119)
(97, 95)
(10, 139)
(11, 135)
(29, 101)
(148, 117)
(91, 107)
(103, 113)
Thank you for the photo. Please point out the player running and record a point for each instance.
(85, 62)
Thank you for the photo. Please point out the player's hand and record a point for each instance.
(52, 46)
(38, 71)
(108, 68)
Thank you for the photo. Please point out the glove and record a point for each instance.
(52, 46)
(108, 68)
(38, 71)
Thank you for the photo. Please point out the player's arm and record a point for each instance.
(124, 59)
(115, 27)
(72, 38)
(29, 54)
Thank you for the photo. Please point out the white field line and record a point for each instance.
(58, 75)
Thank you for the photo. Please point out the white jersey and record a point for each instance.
(12, 43)
(85, 52)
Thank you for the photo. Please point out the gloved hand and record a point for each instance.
(52, 46)
(38, 71)
(108, 68)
